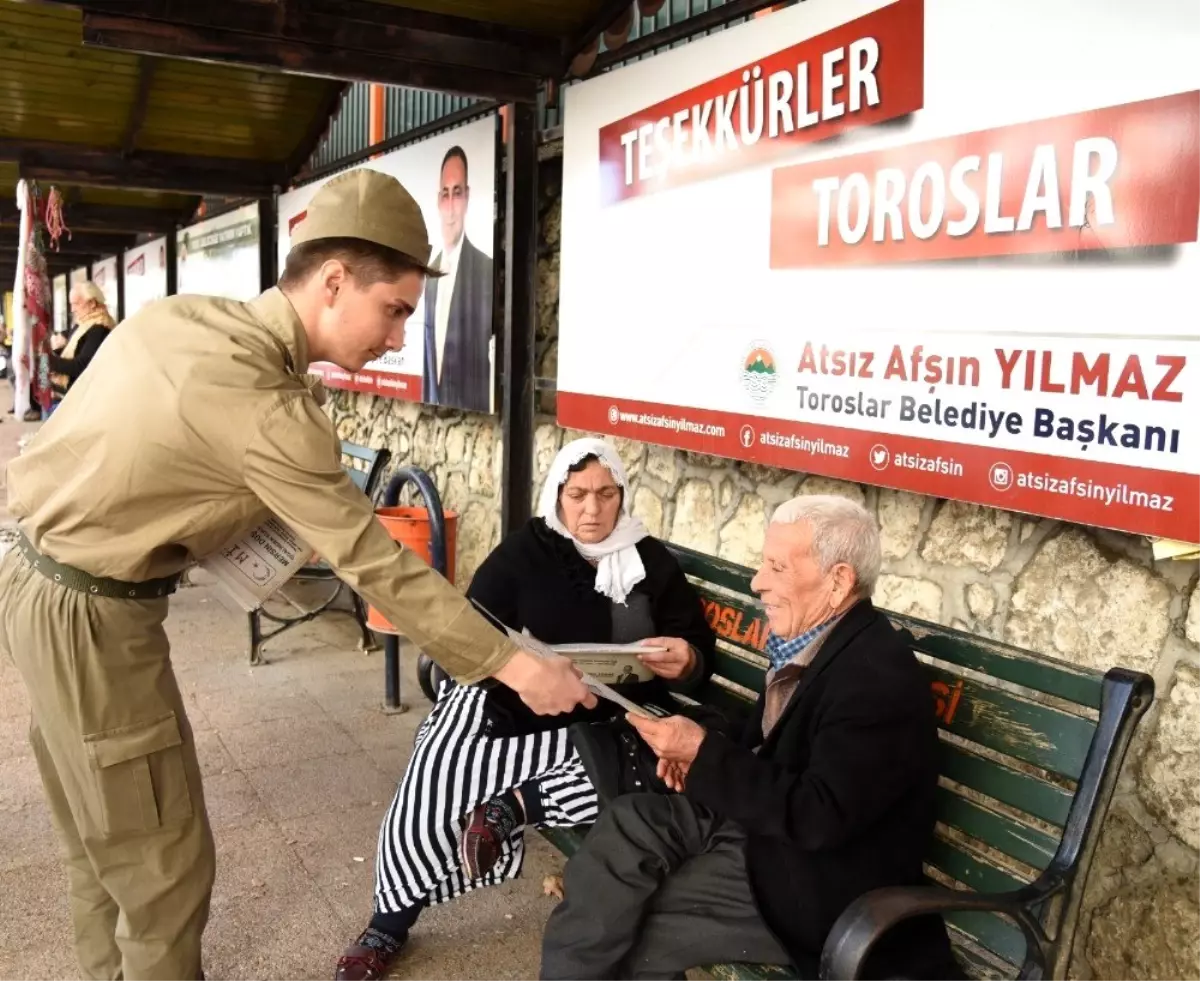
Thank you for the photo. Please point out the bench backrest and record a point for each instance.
(1030, 749)
(367, 466)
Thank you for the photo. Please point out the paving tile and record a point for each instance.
(20, 783)
(338, 851)
(14, 700)
(210, 750)
(27, 837)
(232, 802)
(14, 736)
(36, 963)
(335, 783)
(33, 908)
(252, 702)
(286, 740)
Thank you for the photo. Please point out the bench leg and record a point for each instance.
(368, 642)
(256, 638)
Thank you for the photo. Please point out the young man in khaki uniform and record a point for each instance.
(193, 422)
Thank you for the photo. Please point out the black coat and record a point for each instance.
(536, 579)
(840, 799)
(466, 375)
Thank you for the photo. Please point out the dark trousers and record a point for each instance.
(659, 886)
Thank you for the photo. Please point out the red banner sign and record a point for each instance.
(1127, 176)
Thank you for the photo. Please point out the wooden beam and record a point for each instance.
(357, 25)
(80, 244)
(81, 216)
(137, 112)
(316, 130)
(71, 163)
(609, 11)
(299, 58)
(681, 30)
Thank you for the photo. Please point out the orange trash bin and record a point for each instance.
(411, 527)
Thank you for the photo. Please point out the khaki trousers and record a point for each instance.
(118, 764)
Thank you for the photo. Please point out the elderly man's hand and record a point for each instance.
(673, 739)
(674, 775)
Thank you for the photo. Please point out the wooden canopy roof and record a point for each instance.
(136, 108)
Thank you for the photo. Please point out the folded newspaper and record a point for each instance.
(535, 646)
(254, 568)
(614, 664)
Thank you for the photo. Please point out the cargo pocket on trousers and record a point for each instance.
(140, 775)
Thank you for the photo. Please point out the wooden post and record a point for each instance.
(267, 259)
(520, 314)
(172, 269)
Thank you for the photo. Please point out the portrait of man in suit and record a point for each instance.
(458, 306)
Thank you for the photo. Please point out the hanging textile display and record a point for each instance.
(20, 330)
(31, 312)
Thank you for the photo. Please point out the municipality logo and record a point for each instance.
(759, 374)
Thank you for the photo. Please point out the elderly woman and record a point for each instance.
(583, 571)
(75, 350)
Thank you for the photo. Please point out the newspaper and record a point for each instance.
(535, 646)
(614, 664)
(254, 568)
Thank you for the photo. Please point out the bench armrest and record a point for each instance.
(870, 916)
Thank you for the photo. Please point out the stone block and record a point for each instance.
(827, 485)
(695, 523)
(1149, 932)
(546, 442)
(1169, 786)
(458, 438)
(478, 532)
(1074, 603)
(649, 507)
(481, 481)
(981, 601)
(741, 540)
(899, 522)
(905, 594)
(661, 464)
(345, 427)
(968, 534)
(1124, 849)
(1192, 630)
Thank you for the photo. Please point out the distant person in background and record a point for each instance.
(458, 307)
(73, 351)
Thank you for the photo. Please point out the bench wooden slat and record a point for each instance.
(1022, 729)
(969, 869)
(1029, 845)
(738, 621)
(974, 962)
(1020, 790)
(739, 671)
(992, 932)
(1001, 661)
(714, 570)
(750, 972)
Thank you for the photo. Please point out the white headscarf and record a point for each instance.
(619, 567)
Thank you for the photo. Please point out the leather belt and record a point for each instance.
(77, 579)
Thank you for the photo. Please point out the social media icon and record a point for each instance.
(879, 456)
(1000, 476)
(747, 437)
(613, 415)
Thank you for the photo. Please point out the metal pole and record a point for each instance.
(437, 548)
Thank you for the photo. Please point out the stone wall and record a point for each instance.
(1086, 596)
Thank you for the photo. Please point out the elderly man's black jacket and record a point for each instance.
(840, 799)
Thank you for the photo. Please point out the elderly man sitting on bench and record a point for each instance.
(827, 794)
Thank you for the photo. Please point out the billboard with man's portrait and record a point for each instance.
(449, 352)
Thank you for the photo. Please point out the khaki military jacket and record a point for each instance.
(193, 422)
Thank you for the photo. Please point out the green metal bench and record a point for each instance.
(1031, 749)
(287, 614)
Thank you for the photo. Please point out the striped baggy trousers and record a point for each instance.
(456, 766)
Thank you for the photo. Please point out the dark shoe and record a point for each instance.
(370, 957)
(488, 827)
(616, 759)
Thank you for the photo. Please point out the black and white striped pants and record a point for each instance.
(456, 766)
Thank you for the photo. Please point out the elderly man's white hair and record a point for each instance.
(842, 531)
